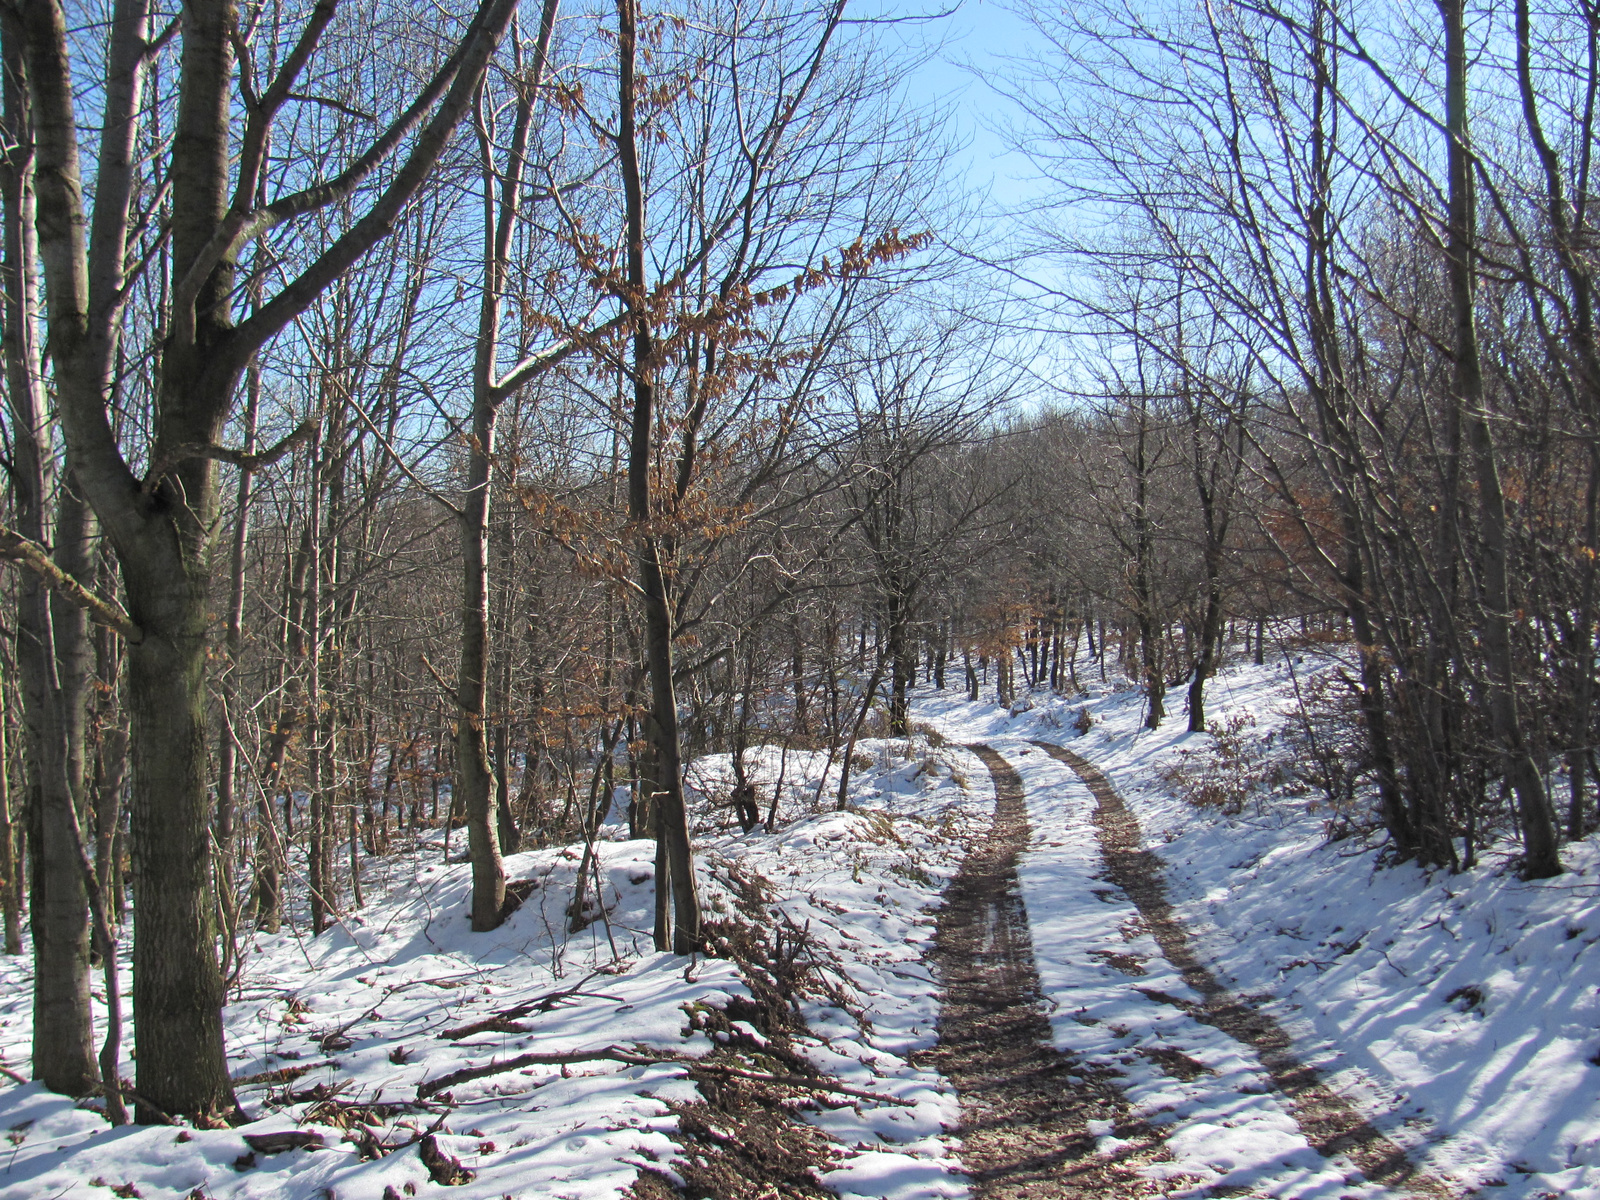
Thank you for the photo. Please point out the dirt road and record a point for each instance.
(1026, 1108)
(1330, 1123)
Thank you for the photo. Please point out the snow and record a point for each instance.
(865, 884)
(1459, 1013)
(362, 1009)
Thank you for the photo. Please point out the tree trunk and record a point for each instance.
(1540, 857)
(111, 770)
(10, 859)
(474, 777)
(234, 640)
(675, 852)
(63, 1051)
(1205, 664)
(177, 984)
(1143, 593)
(855, 730)
(901, 664)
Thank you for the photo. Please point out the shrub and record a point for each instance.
(1329, 755)
(1229, 772)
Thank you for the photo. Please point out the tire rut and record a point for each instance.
(1025, 1107)
(1331, 1124)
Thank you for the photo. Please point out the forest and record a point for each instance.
(451, 433)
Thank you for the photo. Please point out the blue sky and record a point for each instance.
(976, 39)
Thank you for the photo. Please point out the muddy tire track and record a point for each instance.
(1330, 1122)
(1024, 1107)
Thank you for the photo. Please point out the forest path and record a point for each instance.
(1025, 1107)
(1329, 1122)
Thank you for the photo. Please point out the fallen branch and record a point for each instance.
(634, 1058)
(804, 1081)
(504, 1020)
(467, 1074)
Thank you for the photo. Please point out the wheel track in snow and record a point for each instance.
(1025, 1107)
(1331, 1124)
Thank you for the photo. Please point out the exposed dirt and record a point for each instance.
(1025, 1108)
(746, 1139)
(1329, 1122)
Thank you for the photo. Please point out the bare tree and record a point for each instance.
(160, 522)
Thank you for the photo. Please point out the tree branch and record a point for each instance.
(37, 559)
(455, 82)
(242, 459)
(643, 1057)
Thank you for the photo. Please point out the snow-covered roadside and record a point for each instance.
(864, 884)
(340, 1031)
(1460, 1012)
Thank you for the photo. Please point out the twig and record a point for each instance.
(439, 679)
(467, 1074)
(803, 1081)
(494, 1023)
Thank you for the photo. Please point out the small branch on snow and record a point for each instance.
(634, 1058)
(504, 1020)
(804, 1081)
(467, 1074)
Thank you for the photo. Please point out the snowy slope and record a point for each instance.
(358, 1017)
(1461, 1013)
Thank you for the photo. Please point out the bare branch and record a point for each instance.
(36, 558)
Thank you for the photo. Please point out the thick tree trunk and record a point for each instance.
(177, 983)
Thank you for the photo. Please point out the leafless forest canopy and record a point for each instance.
(452, 419)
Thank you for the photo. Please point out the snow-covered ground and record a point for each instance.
(339, 1032)
(1461, 1013)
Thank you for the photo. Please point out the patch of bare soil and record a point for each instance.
(1025, 1108)
(1329, 1122)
